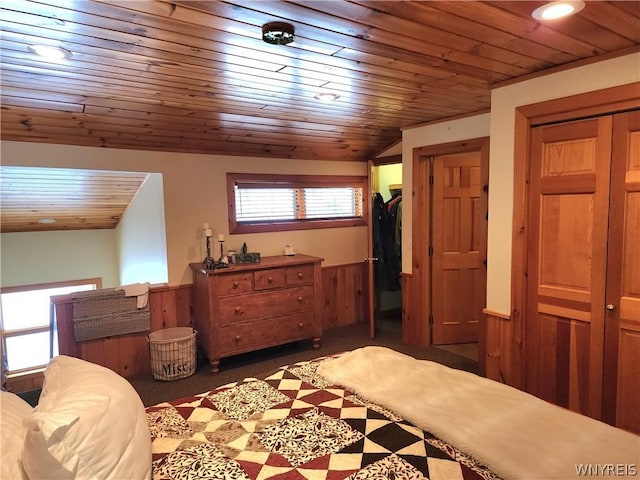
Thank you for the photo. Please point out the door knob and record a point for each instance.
(610, 307)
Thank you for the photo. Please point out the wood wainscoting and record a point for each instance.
(343, 304)
(127, 354)
(498, 356)
(25, 382)
(416, 330)
(344, 295)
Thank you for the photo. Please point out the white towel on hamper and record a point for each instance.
(140, 290)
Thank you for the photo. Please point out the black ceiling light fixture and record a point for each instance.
(278, 33)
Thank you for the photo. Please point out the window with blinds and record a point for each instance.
(285, 202)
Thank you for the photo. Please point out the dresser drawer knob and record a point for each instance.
(236, 284)
(300, 275)
(300, 299)
(237, 338)
(300, 325)
(238, 310)
(270, 279)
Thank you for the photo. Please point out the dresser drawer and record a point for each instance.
(265, 304)
(235, 283)
(247, 307)
(266, 279)
(300, 275)
(248, 336)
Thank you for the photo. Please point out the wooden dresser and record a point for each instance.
(248, 307)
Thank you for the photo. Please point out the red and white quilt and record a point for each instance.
(292, 424)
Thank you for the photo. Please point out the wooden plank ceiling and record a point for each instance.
(195, 76)
(76, 199)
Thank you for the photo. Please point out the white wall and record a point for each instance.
(452, 131)
(195, 192)
(141, 236)
(389, 175)
(44, 257)
(504, 101)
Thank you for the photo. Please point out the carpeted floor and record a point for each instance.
(388, 333)
(469, 350)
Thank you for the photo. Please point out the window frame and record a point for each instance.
(4, 333)
(295, 181)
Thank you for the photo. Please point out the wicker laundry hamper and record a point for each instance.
(173, 353)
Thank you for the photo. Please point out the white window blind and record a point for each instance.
(332, 202)
(265, 204)
(262, 204)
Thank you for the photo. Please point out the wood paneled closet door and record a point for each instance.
(621, 401)
(578, 267)
(459, 232)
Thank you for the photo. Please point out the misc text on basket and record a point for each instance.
(173, 369)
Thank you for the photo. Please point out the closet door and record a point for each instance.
(568, 221)
(459, 246)
(622, 319)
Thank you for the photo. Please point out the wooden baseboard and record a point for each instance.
(492, 313)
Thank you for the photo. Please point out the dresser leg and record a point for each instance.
(316, 343)
(215, 364)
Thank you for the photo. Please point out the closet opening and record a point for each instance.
(386, 235)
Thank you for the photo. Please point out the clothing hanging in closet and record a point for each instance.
(394, 207)
(388, 266)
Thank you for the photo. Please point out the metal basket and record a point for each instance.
(173, 353)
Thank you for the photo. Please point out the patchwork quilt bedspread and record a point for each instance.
(292, 424)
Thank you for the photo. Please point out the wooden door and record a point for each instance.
(622, 314)
(370, 293)
(568, 221)
(459, 248)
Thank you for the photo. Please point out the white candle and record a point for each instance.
(208, 232)
(221, 237)
(205, 226)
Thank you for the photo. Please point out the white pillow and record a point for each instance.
(13, 410)
(89, 423)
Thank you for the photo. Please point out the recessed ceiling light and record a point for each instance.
(47, 220)
(556, 10)
(278, 33)
(47, 51)
(326, 97)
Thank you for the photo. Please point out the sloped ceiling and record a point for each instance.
(195, 76)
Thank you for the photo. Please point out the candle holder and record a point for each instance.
(221, 263)
(221, 242)
(208, 262)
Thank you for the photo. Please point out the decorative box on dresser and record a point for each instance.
(248, 307)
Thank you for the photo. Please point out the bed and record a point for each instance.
(372, 413)
(291, 423)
